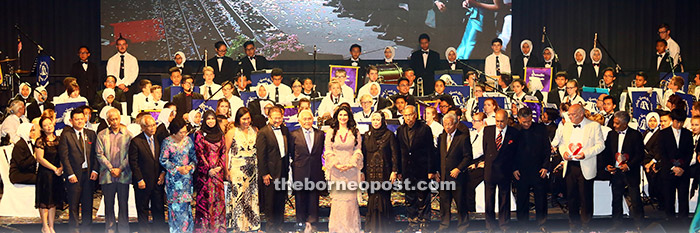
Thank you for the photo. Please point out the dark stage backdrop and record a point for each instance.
(626, 27)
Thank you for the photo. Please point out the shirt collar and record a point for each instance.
(79, 132)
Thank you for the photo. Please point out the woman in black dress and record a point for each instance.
(381, 150)
(49, 185)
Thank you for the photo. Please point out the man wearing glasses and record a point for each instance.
(278, 91)
(225, 68)
(673, 48)
(403, 88)
(85, 73)
(251, 62)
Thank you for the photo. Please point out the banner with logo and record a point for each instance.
(260, 77)
(643, 103)
(688, 99)
(539, 74)
(388, 90)
(247, 97)
(202, 106)
(351, 74)
(42, 70)
(63, 112)
(665, 78)
(460, 94)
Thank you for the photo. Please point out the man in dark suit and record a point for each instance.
(416, 166)
(251, 62)
(403, 88)
(183, 101)
(241, 85)
(660, 63)
(614, 88)
(176, 79)
(225, 68)
(424, 62)
(306, 152)
(273, 149)
(148, 176)
(85, 73)
(608, 111)
(531, 164)
(525, 59)
(500, 148)
(79, 161)
(354, 60)
(673, 155)
(623, 161)
(455, 155)
(558, 92)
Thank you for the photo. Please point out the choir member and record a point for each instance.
(504, 81)
(341, 77)
(225, 68)
(372, 77)
(354, 60)
(366, 103)
(496, 63)
(110, 83)
(673, 154)
(608, 111)
(524, 59)
(278, 91)
(210, 89)
(25, 91)
(674, 85)
(295, 95)
(389, 54)
(235, 101)
(155, 99)
(662, 62)
(598, 66)
(451, 64)
(180, 60)
(175, 79)
(549, 60)
(500, 146)
(573, 94)
(424, 62)
(183, 101)
(581, 71)
(614, 88)
(309, 89)
(141, 99)
(455, 155)
(251, 62)
(674, 50)
(241, 85)
(41, 96)
(403, 86)
(473, 102)
(85, 72)
(334, 98)
(123, 65)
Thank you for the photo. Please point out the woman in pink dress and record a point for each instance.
(343, 146)
(209, 146)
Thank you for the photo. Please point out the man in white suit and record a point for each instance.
(582, 141)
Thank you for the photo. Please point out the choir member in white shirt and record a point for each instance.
(72, 95)
(278, 91)
(309, 89)
(140, 101)
(372, 77)
(490, 108)
(431, 119)
(332, 99)
(154, 100)
(696, 80)
(235, 102)
(673, 48)
(674, 86)
(123, 65)
(473, 102)
(519, 93)
(496, 63)
(296, 94)
(366, 114)
(573, 94)
(347, 92)
(210, 88)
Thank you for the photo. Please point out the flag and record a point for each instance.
(42, 70)
(19, 45)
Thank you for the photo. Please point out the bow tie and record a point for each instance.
(190, 94)
(548, 63)
(621, 132)
(219, 58)
(375, 98)
(275, 128)
(596, 64)
(577, 126)
(579, 65)
(251, 58)
(84, 62)
(561, 89)
(425, 52)
(659, 55)
(526, 56)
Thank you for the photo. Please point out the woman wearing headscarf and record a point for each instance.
(23, 162)
(389, 54)
(25, 94)
(180, 60)
(164, 118)
(549, 59)
(381, 152)
(194, 118)
(652, 120)
(581, 71)
(451, 62)
(34, 110)
(524, 59)
(257, 105)
(210, 169)
(178, 158)
(108, 97)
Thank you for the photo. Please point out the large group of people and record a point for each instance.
(231, 160)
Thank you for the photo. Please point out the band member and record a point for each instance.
(673, 153)
(424, 62)
(252, 62)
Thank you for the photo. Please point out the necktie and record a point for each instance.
(309, 143)
(80, 141)
(335, 100)
(277, 94)
(210, 93)
(152, 147)
(498, 66)
(121, 67)
(449, 141)
(499, 139)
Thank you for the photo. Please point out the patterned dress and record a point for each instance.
(345, 209)
(210, 210)
(178, 187)
(242, 208)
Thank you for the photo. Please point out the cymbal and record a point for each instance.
(8, 59)
(22, 71)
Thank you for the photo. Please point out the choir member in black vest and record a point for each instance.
(557, 93)
(455, 155)
(531, 166)
(608, 111)
(241, 85)
(416, 166)
(661, 63)
(424, 62)
(179, 61)
(176, 79)
(582, 71)
(306, 151)
(273, 150)
(524, 59)
(549, 60)
(500, 146)
(183, 101)
(225, 68)
(251, 62)
(623, 154)
(614, 88)
(673, 154)
(85, 73)
(598, 66)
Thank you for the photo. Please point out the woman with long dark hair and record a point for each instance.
(343, 164)
(209, 146)
(381, 150)
(50, 193)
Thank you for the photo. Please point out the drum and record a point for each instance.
(389, 73)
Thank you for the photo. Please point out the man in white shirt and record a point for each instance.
(496, 63)
(140, 100)
(673, 48)
(347, 92)
(278, 91)
(123, 65)
(235, 102)
(210, 88)
(366, 113)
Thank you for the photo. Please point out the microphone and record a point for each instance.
(544, 32)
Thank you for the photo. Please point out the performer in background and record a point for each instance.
(86, 73)
(582, 71)
(225, 68)
(524, 58)
(424, 62)
(309, 89)
(278, 91)
(354, 60)
(673, 48)
(252, 62)
(123, 65)
(179, 59)
(389, 54)
(496, 63)
(598, 66)
(548, 60)
(183, 101)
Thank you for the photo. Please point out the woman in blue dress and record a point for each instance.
(178, 157)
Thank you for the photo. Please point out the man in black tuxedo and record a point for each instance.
(403, 87)
(241, 85)
(416, 166)
(79, 161)
(557, 93)
(531, 164)
(225, 68)
(176, 79)
(306, 152)
(673, 154)
(183, 101)
(608, 111)
(525, 59)
(614, 88)
(500, 148)
(274, 152)
(251, 62)
(661, 63)
(549, 61)
(354, 60)
(424, 62)
(623, 161)
(148, 176)
(85, 73)
(455, 155)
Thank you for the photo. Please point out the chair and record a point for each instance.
(18, 199)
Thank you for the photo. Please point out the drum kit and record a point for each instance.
(7, 79)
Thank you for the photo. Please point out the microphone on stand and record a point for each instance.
(544, 32)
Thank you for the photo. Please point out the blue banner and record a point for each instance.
(460, 94)
(247, 97)
(63, 112)
(260, 77)
(209, 105)
(43, 63)
(688, 99)
(388, 90)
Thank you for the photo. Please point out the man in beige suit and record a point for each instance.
(582, 141)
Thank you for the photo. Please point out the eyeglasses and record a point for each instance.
(366, 102)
